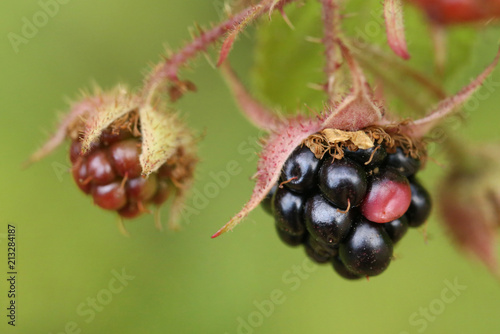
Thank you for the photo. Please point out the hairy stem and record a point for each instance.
(168, 70)
(369, 50)
(331, 26)
(258, 114)
(77, 111)
(410, 99)
(445, 108)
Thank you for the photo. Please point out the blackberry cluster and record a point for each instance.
(111, 173)
(351, 211)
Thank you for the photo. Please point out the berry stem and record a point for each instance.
(411, 100)
(393, 14)
(331, 27)
(168, 70)
(259, 115)
(422, 126)
(358, 103)
(77, 110)
(366, 52)
(438, 35)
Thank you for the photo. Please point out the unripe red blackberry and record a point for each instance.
(162, 192)
(111, 196)
(111, 173)
(127, 154)
(81, 176)
(99, 168)
(141, 189)
(131, 210)
(125, 158)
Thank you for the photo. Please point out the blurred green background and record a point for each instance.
(69, 251)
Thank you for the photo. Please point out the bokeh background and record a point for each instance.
(184, 282)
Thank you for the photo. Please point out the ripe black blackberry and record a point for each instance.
(349, 209)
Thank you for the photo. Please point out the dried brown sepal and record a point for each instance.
(333, 141)
(180, 170)
(358, 138)
(180, 167)
(129, 122)
(178, 89)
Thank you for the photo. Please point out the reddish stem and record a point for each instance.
(77, 111)
(331, 23)
(258, 114)
(168, 70)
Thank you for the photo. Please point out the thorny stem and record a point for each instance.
(331, 26)
(168, 70)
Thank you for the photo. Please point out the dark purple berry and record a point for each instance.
(405, 164)
(397, 229)
(343, 182)
(341, 269)
(290, 240)
(324, 222)
(317, 253)
(299, 170)
(371, 157)
(367, 250)
(388, 196)
(267, 202)
(288, 211)
(420, 206)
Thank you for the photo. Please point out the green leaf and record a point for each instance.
(286, 63)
